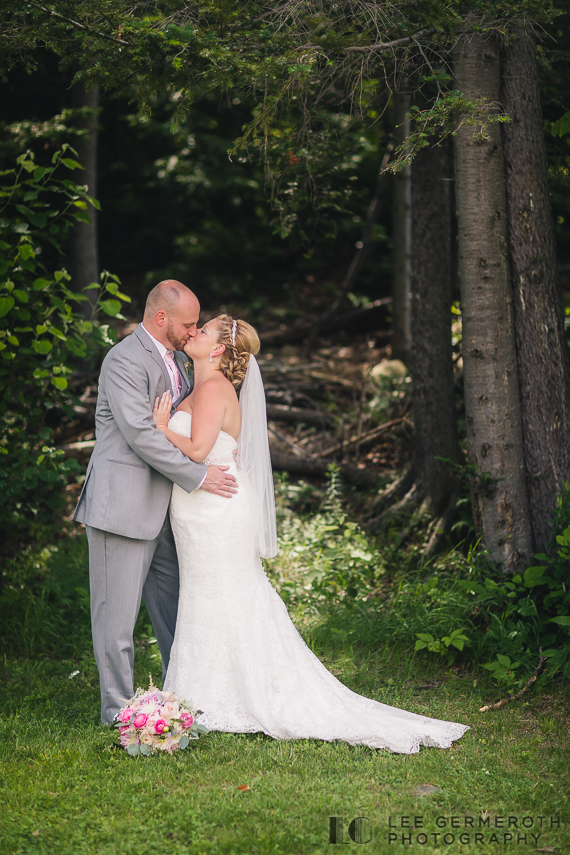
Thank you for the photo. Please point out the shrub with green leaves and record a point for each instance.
(444, 646)
(44, 333)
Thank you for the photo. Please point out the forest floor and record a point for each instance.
(67, 789)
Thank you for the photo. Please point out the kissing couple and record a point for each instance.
(179, 509)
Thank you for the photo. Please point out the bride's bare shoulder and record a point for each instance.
(217, 385)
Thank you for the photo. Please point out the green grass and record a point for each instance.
(66, 789)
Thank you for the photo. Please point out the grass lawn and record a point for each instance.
(65, 789)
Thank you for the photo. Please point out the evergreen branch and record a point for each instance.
(78, 24)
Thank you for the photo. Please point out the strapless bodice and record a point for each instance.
(222, 454)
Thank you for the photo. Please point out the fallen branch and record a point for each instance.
(282, 413)
(297, 449)
(366, 317)
(313, 466)
(366, 437)
(537, 671)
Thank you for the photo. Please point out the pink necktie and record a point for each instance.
(177, 384)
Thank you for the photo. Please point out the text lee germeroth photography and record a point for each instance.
(408, 831)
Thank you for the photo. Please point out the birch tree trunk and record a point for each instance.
(435, 420)
(402, 237)
(492, 398)
(84, 251)
(544, 374)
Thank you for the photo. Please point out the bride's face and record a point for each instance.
(204, 342)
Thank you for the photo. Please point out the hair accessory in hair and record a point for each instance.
(234, 328)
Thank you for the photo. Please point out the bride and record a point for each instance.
(236, 653)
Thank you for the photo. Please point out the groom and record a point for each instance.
(125, 498)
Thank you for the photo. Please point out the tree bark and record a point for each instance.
(84, 254)
(402, 237)
(542, 357)
(435, 422)
(492, 398)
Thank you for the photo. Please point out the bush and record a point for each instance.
(43, 335)
(45, 601)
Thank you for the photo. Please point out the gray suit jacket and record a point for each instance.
(129, 478)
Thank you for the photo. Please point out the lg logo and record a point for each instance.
(359, 830)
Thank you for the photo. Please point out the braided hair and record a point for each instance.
(240, 340)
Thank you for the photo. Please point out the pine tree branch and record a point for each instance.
(78, 25)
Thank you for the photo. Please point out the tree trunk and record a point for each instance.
(435, 430)
(544, 373)
(84, 255)
(492, 398)
(402, 237)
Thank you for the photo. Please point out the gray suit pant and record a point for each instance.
(121, 570)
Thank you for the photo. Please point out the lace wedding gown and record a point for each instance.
(236, 654)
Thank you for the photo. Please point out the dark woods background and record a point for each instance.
(174, 205)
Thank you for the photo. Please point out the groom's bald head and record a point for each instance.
(171, 313)
(170, 296)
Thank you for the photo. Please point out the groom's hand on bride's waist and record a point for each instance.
(219, 481)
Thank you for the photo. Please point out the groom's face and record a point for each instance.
(183, 326)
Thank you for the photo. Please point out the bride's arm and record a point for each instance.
(207, 418)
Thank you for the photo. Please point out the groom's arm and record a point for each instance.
(125, 386)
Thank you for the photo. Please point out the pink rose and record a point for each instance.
(186, 719)
(160, 725)
(140, 720)
(125, 714)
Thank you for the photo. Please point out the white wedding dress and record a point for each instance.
(236, 654)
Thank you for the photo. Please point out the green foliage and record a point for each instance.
(444, 646)
(338, 563)
(561, 127)
(44, 332)
(295, 58)
(529, 614)
(44, 604)
(446, 115)
(45, 601)
(503, 671)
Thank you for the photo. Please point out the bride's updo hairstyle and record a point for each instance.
(236, 356)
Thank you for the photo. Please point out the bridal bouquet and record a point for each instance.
(157, 721)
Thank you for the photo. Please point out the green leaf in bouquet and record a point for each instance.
(184, 741)
(145, 750)
(201, 728)
(133, 750)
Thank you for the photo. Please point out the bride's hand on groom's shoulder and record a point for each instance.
(219, 481)
(161, 411)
